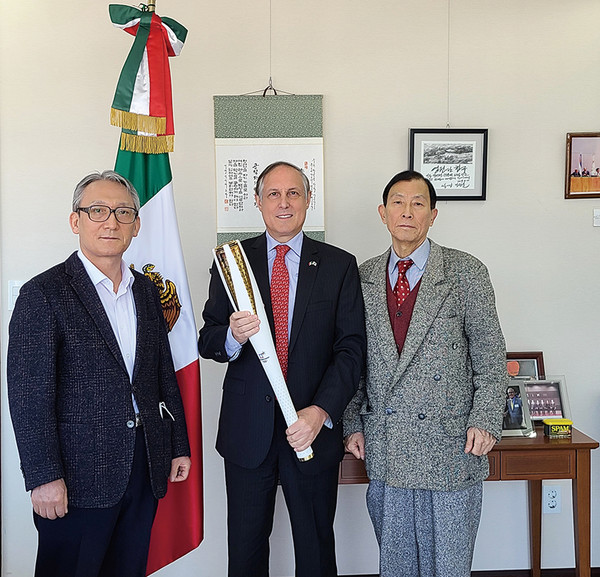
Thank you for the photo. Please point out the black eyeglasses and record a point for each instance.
(101, 213)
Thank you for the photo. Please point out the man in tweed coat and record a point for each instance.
(93, 395)
(429, 407)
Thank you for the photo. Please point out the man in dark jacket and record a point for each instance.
(93, 395)
(320, 340)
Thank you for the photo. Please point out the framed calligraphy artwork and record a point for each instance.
(453, 159)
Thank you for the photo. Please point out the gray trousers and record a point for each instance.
(424, 533)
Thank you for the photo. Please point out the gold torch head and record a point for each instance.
(222, 259)
(240, 263)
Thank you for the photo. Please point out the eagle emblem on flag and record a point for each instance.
(167, 290)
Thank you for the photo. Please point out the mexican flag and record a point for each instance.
(143, 108)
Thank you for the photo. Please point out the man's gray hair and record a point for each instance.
(260, 183)
(107, 175)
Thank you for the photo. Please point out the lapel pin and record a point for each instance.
(312, 263)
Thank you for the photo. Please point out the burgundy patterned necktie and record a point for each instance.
(280, 287)
(402, 288)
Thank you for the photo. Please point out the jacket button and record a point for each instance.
(389, 411)
(268, 398)
(421, 416)
(454, 346)
(130, 424)
(437, 377)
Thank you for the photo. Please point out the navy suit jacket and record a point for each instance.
(325, 358)
(70, 393)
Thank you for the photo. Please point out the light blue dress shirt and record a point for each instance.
(413, 275)
(292, 262)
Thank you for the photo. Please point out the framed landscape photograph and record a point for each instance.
(516, 421)
(547, 399)
(582, 178)
(453, 159)
(525, 365)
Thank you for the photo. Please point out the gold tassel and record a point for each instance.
(147, 144)
(138, 122)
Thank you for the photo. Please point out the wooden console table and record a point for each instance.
(533, 460)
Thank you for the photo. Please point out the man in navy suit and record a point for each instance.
(513, 410)
(93, 395)
(325, 354)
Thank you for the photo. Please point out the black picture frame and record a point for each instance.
(453, 159)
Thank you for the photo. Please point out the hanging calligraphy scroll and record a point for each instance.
(251, 132)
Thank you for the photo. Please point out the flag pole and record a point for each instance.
(151, 5)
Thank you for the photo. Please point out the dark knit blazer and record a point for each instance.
(325, 357)
(70, 394)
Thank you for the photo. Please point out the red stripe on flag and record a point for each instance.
(132, 29)
(160, 76)
(179, 524)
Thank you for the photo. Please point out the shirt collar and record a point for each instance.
(98, 277)
(419, 256)
(295, 243)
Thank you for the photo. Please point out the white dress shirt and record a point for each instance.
(120, 309)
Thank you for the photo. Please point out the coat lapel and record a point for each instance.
(374, 287)
(256, 252)
(85, 290)
(141, 313)
(307, 273)
(432, 293)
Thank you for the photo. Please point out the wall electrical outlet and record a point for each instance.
(551, 501)
(13, 292)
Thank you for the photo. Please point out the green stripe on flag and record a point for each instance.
(179, 30)
(121, 14)
(149, 173)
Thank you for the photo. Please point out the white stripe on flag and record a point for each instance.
(127, 24)
(159, 237)
(176, 44)
(140, 101)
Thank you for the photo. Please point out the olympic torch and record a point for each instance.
(244, 294)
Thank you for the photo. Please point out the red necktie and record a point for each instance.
(402, 288)
(280, 285)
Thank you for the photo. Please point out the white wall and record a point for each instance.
(528, 71)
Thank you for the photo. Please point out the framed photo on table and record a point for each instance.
(453, 159)
(525, 365)
(516, 421)
(547, 399)
(582, 177)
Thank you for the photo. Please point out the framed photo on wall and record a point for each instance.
(516, 421)
(582, 178)
(547, 399)
(453, 159)
(526, 365)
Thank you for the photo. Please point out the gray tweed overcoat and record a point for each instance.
(415, 408)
